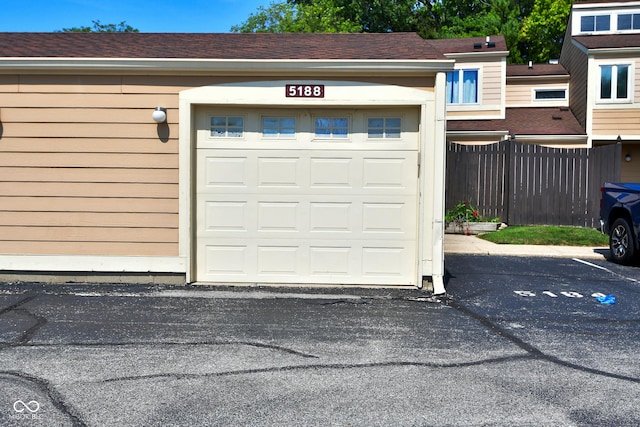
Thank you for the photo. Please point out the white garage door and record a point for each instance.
(327, 197)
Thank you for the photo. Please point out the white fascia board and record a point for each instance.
(616, 51)
(478, 133)
(222, 65)
(552, 138)
(478, 55)
(93, 263)
(604, 3)
(540, 78)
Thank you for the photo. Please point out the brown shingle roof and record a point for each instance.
(519, 70)
(525, 121)
(310, 46)
(466, 45)
(609, 41)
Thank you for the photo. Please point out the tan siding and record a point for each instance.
(477, 113)
(71, 174)
(90, 160)
(21, 247)
(70, 84)
(518, 94)
(8, 83)
(88, 145)
(630, 171)
(86, 171)
(175, 84)
(87, 204)
(616, 122)
(492, 84)
(83, 115)
(89, 189)
(89, 219)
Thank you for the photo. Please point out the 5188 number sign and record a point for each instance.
(304, 91)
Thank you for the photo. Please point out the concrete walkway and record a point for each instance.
(461, 244)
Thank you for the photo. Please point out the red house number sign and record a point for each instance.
(304, 91)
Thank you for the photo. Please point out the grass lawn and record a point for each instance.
(547, 235)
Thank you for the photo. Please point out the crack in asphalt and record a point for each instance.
(54, 396)
(45, 386)
(176, 344)
(533, 351)
(328, 366)
(29, 333)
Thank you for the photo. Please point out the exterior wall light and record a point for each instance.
(159, 115)
(627, 157)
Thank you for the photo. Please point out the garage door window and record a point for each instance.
(227, 127)
(384, 127)
(279, 127)
(332, 127)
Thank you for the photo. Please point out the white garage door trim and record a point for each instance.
(343, 94)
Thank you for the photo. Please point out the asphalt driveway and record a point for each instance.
(518, 341)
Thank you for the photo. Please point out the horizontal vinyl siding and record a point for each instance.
(616, 122)
(630, 171)
(85, 170)
(521, 94)
(492, 84)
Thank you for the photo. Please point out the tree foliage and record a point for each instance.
(529, 35)
(542, 31)
(98, 27)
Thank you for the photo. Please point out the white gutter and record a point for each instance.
(222, 65)
(552, 138)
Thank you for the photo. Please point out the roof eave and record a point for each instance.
(551, 138)
(479, 54)
(223, 65)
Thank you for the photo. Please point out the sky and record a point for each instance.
(182, 16)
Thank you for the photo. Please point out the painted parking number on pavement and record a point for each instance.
(568, 294)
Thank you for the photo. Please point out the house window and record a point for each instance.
(332, 127)
(227, 127)
(629, 21)
(544, 94)
(614, 82)
(589, 24)
(279, 127)
(384, 127)
(462, 87)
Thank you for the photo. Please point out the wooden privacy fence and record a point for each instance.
(528, 184)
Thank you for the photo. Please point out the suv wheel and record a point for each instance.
(621, 242)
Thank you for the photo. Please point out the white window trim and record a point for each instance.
(613, 23)
(630, 87)
(479, 87)
(535, 90)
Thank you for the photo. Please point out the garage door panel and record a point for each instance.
(277, 261)
(327, 213)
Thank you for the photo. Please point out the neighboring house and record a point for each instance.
(601, 52)
(528, 103)
(233, 158)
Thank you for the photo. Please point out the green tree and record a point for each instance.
(544, 20)
(97, 27)
(543, 30)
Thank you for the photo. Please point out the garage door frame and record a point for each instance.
(343, 94)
